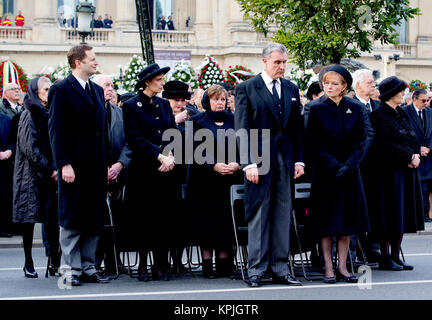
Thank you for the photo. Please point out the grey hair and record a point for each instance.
(359, 76)
(99, 77)
(43, 80)
(407, 96)
(268, 49)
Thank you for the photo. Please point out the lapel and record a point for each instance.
(286, 92)
(414, 115)
(427, 115)
(266, 96)
(77, 87)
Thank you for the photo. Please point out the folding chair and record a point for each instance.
(240, 228)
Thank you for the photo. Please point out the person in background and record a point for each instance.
(314, 91)
(125, 97)
(107, 22)
(420, 117)
(35, 177)
(6, 21)
(61, 20)
(170, 23)
(99, 23)
(407, 99)
(396, 205)
(10, 103)
(19, 19)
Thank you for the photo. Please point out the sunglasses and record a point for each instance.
(425, 100)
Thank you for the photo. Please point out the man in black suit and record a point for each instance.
(421, 120)
(270, 106)
(364, 86)
(77, 134)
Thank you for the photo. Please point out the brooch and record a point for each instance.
(349, 111)
(139, 104)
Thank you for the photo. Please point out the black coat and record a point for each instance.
(394, 195)
(6, 172)
(424, 137)
(255, 110)
(76, 128)
(208, 192)
(153, 198)
(33, 166)
(336, 137)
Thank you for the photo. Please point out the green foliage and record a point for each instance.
(325, 31)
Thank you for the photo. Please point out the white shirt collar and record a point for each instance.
(267, 79)
(363, 101)
(13, 105)
(417, 109)
(81, 81)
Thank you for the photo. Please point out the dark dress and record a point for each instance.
(6, 171)
(395, 202)
(208, 192)
(336, 138)
(153, 198)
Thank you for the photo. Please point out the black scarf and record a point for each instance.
(216, 116)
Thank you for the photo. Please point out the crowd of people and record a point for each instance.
(5, 21)
(77, 155)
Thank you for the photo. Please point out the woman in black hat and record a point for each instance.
(395, 206)
(208, 186)
(152, 190)
(335, 138)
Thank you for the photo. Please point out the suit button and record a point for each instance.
(159, 131)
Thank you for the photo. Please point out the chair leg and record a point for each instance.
(299, 246)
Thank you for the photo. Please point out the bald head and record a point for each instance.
(106, 83)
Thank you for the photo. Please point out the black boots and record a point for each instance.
(224, 267)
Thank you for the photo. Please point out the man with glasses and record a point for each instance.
(10, 103)
(421, 121)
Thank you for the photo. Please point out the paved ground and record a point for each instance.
(382, 285)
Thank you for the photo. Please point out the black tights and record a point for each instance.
(395, 244)
(27, 234)
(160, 260)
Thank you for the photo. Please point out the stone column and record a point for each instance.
(45, 29)
(424, 38)
(126, 14)
(203, 27)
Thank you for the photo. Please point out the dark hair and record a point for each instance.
(418, 93)
(77, 53)
(314, 89)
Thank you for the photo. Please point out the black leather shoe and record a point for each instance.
(350, 279)
(94, 278)
(330, 279)
(30, 272)
(403, 264)
(75, 281)
(5, 234)
(254, 282)
(390, 265)
(288, 280)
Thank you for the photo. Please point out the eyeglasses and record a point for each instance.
(425, 100)
(13, 89)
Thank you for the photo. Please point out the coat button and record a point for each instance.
(159, 131)
(157, 118)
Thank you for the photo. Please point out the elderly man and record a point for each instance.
(76, 128)
(270, 102)
(10, 103)
(421, 120)
(118, 160)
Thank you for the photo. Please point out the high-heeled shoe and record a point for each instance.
(351, 278)
(53, 270)
(30, 272)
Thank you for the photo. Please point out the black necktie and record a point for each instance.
(107, 135)
(369, 107)
(87, 89)
(275, 94)
(421, 115)
(277, 99)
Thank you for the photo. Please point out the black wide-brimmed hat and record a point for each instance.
(344, 73)
(149, 73)
(176, 89)
(390, 87)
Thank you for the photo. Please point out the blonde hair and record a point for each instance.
(334, 73)
(216, 91)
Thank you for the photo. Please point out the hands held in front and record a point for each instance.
(54, 175)
(5, 155)
(114, 171)
(424, 151)
(298, 171)
(167, 163)
(252, 175)
(415, 161)
(68, 174)
(181, 117)
(225, 169)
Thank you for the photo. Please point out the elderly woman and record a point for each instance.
(153, 191)
(396, 206)
(35, 179)
(338, 207)
(208, 186)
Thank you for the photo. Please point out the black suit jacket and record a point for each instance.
(76, 129)
(255, 110)
(424, 137)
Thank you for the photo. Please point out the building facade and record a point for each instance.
(201, 27)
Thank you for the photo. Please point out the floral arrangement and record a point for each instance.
(303, 78)
(130, 74)
(417, 84)
(19, 75)
(235, 75)
(60, 72)
(210, 73)
(184, 72)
